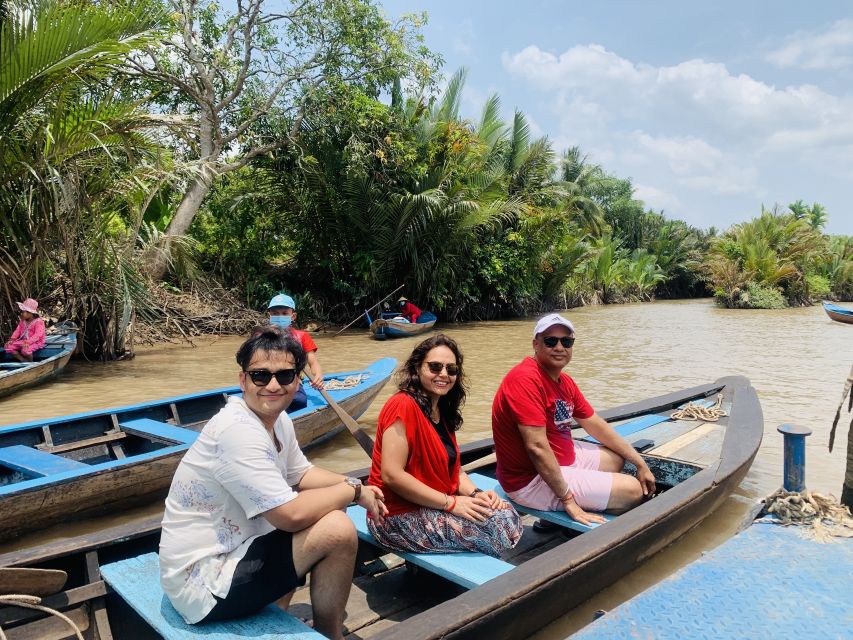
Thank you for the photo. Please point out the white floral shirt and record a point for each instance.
(228, 478)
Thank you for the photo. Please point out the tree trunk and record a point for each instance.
(157, 261)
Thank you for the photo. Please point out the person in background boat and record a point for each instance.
(433, 506)
(247, 516)
(408, 310)
(282, 313)
(539, 465)
(29, 336)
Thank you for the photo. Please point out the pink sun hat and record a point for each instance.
(28, 305)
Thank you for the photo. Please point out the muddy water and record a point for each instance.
(796, 358)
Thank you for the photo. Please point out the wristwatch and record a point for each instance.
(355, 483)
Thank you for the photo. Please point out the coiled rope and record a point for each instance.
(347, 383)
(822, 514)
(33, 602)
(696, 411)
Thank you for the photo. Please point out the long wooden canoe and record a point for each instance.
(839, 314)
(391, 325)
(70, 466)
(47, 363)
(697, 465)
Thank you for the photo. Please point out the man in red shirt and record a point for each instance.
(408, 310)
(539, 465)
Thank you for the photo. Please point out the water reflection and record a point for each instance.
(797, 359)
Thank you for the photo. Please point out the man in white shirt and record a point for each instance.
(247, 516)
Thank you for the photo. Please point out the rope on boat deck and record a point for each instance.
(695, 411)
(823, 514)
(347, 383)
(33, 602)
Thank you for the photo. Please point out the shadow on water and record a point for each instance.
(797, 359)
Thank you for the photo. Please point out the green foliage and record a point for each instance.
(759, 296)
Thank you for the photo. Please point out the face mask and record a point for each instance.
(281, 321)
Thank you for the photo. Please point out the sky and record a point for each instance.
(712, 109)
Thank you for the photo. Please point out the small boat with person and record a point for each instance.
(839, 314)
(391, 324)
(698, 442)
(76, 465)
(48, 362)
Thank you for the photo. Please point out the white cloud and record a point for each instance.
(464, 37)
(656, 198)
(831, 48)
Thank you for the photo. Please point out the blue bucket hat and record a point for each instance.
(282, 300)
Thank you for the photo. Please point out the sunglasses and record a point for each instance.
(436, 367)
(262, 377)
(551, 342)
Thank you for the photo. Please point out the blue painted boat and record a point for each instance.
(69, 466)
(47, 363)
(471, 595)
(393, 325)
(839, 314)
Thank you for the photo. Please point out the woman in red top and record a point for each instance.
(433, 506)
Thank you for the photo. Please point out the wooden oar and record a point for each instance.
(368, 310)
(31, 582)
(354, 428)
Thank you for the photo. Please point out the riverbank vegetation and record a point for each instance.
(151, 149)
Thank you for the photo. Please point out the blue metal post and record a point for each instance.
(795, 456)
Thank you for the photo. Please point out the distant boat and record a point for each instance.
(839, 314)
(66, 467)
(393, 325)
(47, 363)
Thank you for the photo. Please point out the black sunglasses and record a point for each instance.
(262, 377)
(551, 342)
(436, 367)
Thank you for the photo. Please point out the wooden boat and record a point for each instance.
(47, 363)
(393, 325)
(101, 461)
(839, 314)
(697, 464)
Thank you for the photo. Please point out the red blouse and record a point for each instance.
(428, 460)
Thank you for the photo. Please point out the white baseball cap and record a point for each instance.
(549, 321)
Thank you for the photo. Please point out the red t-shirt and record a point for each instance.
(410, 312)
(428, 460)
(528, 396)
(306, 340)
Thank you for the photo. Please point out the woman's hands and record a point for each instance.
(477, 507)
(372, 500)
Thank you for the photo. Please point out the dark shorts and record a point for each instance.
(264, 575)
(300, 400)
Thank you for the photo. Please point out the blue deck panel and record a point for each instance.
(35, 463)
(467, 569)
(137, 581)
(159, 430)
(766, 582)
(557, 517)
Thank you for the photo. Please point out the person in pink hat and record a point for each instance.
(29, 336)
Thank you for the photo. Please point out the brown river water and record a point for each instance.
(797, 359)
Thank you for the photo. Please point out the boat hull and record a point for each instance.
(383, 328)
(120, 484)
(839, 314)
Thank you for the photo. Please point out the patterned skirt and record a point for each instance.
(433, 531)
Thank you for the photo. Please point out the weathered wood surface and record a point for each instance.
(32, 582)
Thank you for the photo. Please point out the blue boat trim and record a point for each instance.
(38, 464)
(468, 569)
(137, 581)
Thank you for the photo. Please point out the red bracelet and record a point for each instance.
(452, 505)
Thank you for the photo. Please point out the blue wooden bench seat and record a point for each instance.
(137, 581)
(644, 422)
(159, 430)
(35, 463)
(468, 569)
(557, 517)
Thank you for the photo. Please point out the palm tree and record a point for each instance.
(64, 133)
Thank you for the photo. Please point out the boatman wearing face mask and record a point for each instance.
(282, 313)
(539, 465)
